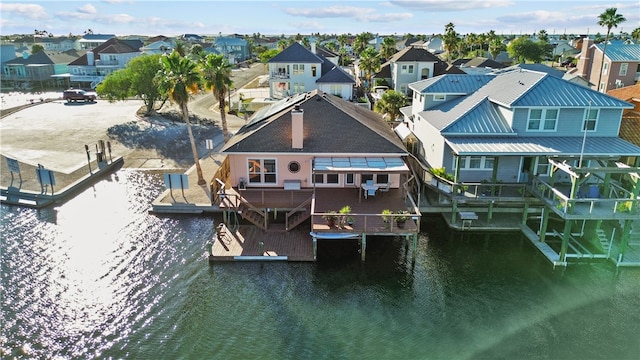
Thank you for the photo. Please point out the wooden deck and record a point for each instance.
(245, 244)
(366, 213)
(251, 243)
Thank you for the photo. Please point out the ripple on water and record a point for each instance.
(98, 277)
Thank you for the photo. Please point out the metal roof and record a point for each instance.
(359, 164)
(619, 51)
(551, 91)
(451, 84)
(541, 146)
(483, 118)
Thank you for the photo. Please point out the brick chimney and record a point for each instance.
(584, 62)
(297, 133)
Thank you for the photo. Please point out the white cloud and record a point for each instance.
(87, 9)
(386, 17)
(444, 5)
(30, 11)
(329, 12)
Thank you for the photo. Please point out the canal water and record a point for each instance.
(99, 277)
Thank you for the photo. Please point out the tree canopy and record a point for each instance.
(524, 49)
(137, 79)
(391, 103)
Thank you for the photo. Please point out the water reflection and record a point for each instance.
(99, 277)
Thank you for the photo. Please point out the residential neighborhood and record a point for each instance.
(468, 132)
(306, 180)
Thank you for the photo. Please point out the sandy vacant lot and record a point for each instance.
(54, 134)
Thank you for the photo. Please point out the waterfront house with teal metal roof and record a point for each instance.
(499, 137)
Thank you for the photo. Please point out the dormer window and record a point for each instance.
(439, 97)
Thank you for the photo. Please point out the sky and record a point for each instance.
(172, 18)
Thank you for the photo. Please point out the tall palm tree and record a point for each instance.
(450, 39)
(370, 63)
(216, 75)
(179, 79)
(609, 18)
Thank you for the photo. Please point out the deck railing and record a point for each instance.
(364, 223)
(567, 205)
(479, 190)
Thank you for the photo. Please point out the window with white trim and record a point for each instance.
(406, 69)
(335, 89)
(298, 88)
(262, 171)
(542, 119)
(542, 166)
(476, 162)
(329, 179)
(605, 68)
(439, 97)
(623, 69)
(590, 120)
(349, 179)
(298, 69)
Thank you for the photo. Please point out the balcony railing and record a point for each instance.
(482, 190)
(279, 75)
(612, 204)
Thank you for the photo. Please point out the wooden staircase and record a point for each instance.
(246, 210)
(298, 215)
(602, 238)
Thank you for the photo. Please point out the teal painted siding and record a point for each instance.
(570, 123)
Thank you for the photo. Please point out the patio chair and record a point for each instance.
(385, 188)
(371, 192)
(369, 182)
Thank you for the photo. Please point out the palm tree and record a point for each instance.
(216, 75)
(635, 34)
(388, 48)
(391, 103)
(495, 47)
(361, 41)
(370, 63)
(450, 39)
(610, 19)
(179, 79)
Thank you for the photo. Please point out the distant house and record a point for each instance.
(91, 41)
(91, 68)
(7, 52)
(60, 44)
(478, 65)
(298, 70)
(409, 65)
(234, 49)
(621, 64)
(40, 70)
(191, 38)
(158, 47)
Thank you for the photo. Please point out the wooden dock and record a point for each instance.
(249, 243)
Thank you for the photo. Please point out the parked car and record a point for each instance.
(74, 95)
